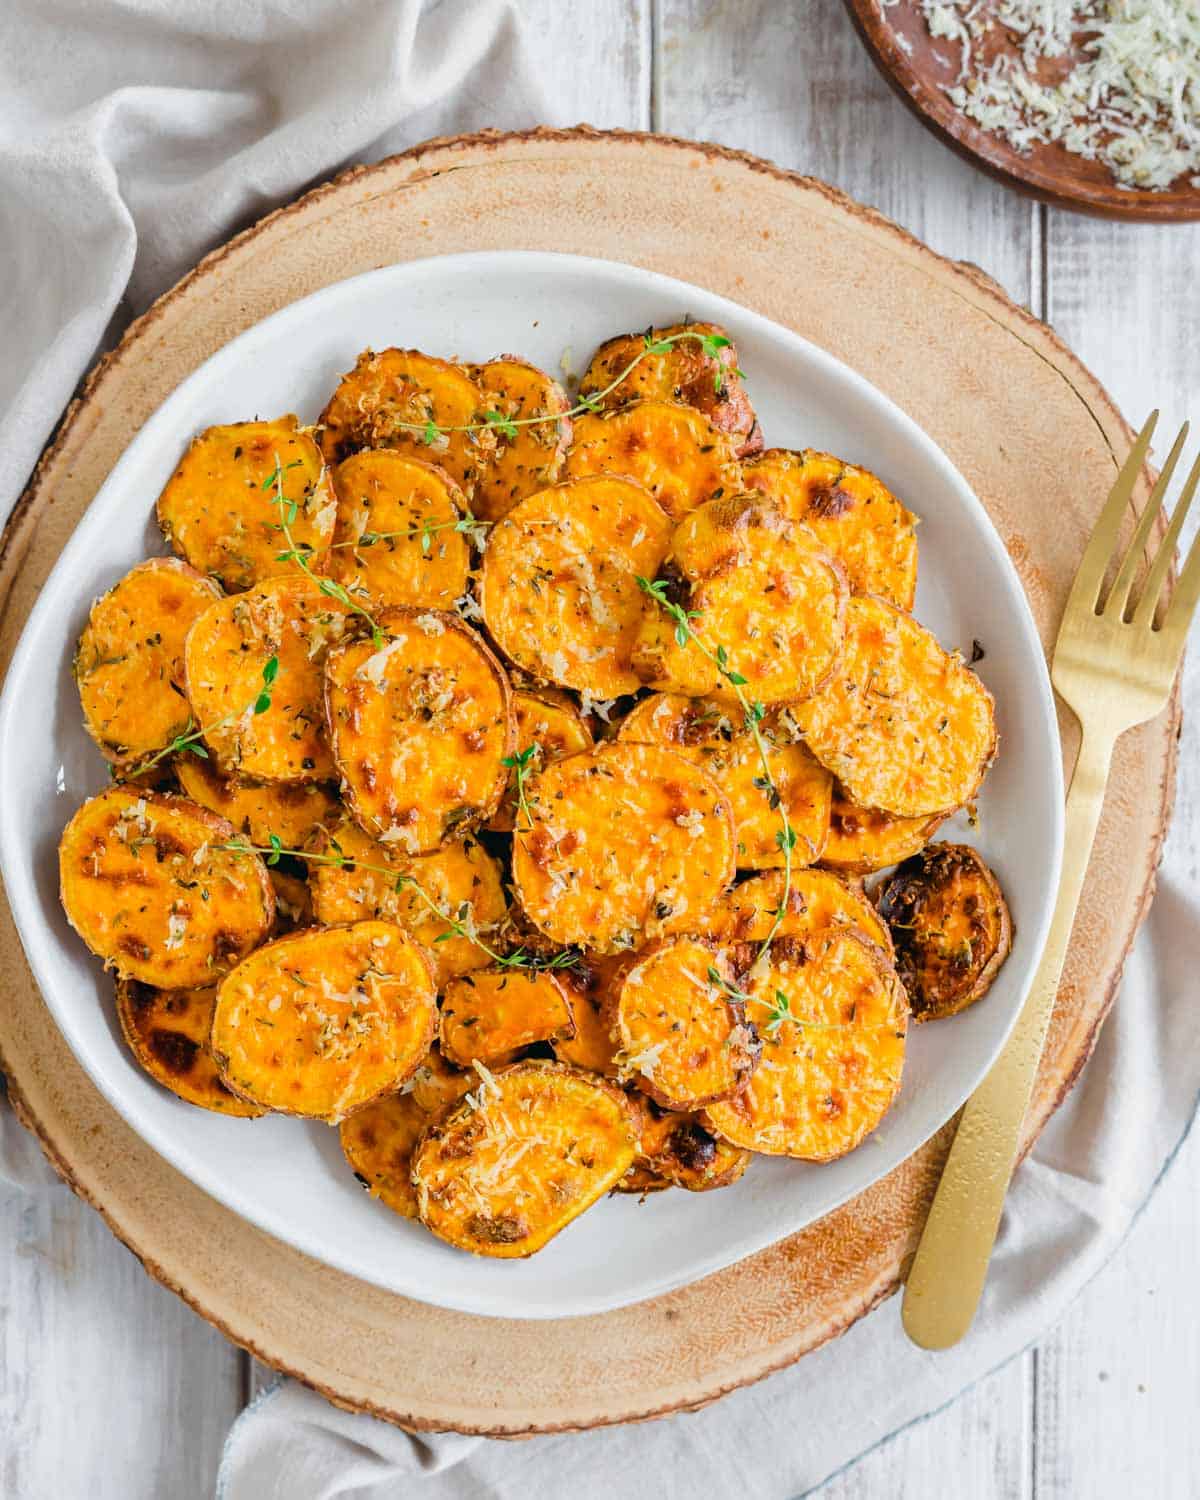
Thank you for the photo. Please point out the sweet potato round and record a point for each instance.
(553, 727)
(378, 1141)
(818, 899)
(258, 809)
(532, 458)
(167, 1031)
(493, 1013)
(863, 839)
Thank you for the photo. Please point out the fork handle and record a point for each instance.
(947, 1275)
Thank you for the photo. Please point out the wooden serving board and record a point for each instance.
(1033, 433)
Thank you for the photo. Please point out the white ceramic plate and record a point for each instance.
(288, 1176)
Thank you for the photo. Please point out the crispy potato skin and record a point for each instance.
(129, 661)
(167, 1031)
(396, 539)
(533, 459)
(684, 373)
(220, 511)
(681, 1035)
(818, 899)
(951, 927)
(674, 451)
(460, 877)
(321, 1022)
(492, 1014)
(853, 515)
(627, 841)
(708, 734)
(559, 586)
(759, 587)
(378, 1142)
(905, 726)
(385, 391)
(676, 1149)
(831, 1068)
(577, 1136)
(549, 722)
(863, 839)
(419, 729)
(135, 868)
(226, 651)
(258, 809)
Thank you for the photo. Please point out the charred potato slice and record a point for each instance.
(817, 899)
(712, 736)
(436, 1086)
(625, 840)
(833, 1020)
(129, 661)
(905, 726)
(321, 1022)
(528, 457)
(673, 450)
(863, 839)
(167, 1032)
(400, 536)
(291, 813)
(590, 983)
(560, 592)
(419, 728)
(228, 648)
(148, 888)
(552, 727)
(684, 372)
(220, 510)
(390, 400)
(951, 927)
(462, 879)
(852, 514)
(758, 588)
(679, 1150)
(680, 1030)
(378, 1142)
(492, 1014)
(514, 1164)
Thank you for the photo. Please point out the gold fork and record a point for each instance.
(1114, 664)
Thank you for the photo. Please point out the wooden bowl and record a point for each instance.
(908, 57)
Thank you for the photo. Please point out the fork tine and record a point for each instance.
(1153, 586)
(1187, 593)
(1085, 591)
(1118, 598)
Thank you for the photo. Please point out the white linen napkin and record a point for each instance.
(133, 138)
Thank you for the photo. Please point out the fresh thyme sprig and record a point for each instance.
(299, 553)
(468, 525)
(522, 766)
(521, 958)
(779, 1009)
(753, 715)
(189, 739)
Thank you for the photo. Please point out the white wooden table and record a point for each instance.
(110, 1389)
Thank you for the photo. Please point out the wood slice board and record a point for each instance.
(920, 67)
(1034, 434)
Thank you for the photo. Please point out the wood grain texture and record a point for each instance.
(969, 348)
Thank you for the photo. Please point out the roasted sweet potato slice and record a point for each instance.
(677, 1149)
(492, 1014)
(863, 839)
(852, 514)
(290, 620)
(560, 592)
(436, 1086)
(259, 809)
(684, 372)
(671, 449)
(818, 899)
(681, 1033)
(951, 927)
(220, 510)
(403, 399)
(535, 1145)
(549, 724)
(321, 1022)
(147, 887)
(293, 900)
(714, 736)
(833, 1020)
(419, 729)
(378, 1141)
(462, 879)
(129, 661)
(167, 1032)
(400, 536)
(527, 457)
(627, 841)
(590, 982)
(761, 592)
